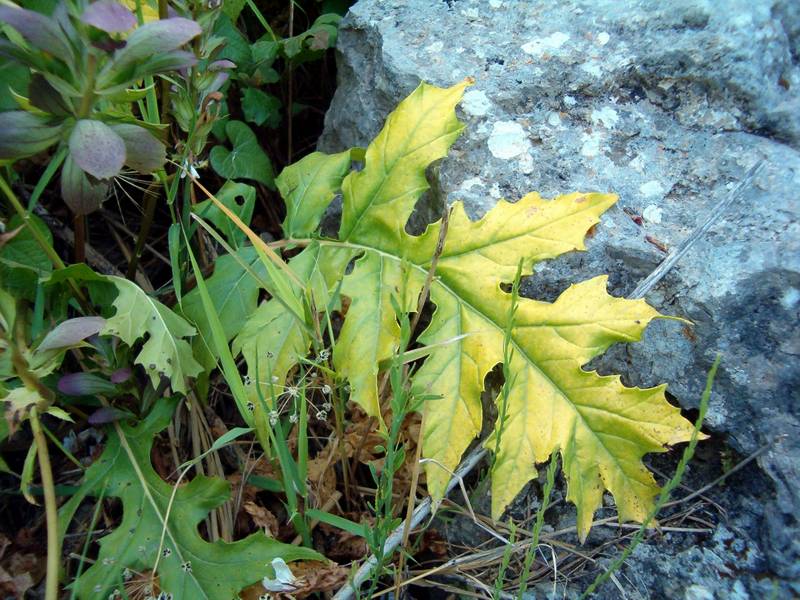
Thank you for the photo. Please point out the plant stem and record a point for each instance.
(80, 238)
(51, 509)
(291, 90)
(37, 235)
(88, 92)
(144, 231)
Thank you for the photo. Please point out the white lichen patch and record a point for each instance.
(606, 116)
(494, 192)
(476, 103)
(526, 164)
(652, 213)
(435, 47)
(470, 183)
(553, 119)
(790, 298)
(651, 189)
(593, 68)
(591, 145)
(508, 140)
(550, 44)
(602, 38)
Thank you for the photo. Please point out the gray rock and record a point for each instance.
(667, 105)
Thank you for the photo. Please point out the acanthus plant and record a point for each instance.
(600, 428)
(88, 63)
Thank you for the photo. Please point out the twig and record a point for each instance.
(651, 280)
(147, 220)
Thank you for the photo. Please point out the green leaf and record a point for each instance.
(236, 48)
(81, 194)
(601, 428)
(380, 198)
(188, 566)
(232, 8)
(153, 39)
(229, 194)
(246, 161)
(165, 352)
(25, 134)
(143, 152)
(234, 292)
(96, 149)
(12, 75)
(307, 187)
(260, 107)
(40, 31)
(22, 260)
(310, 44)
(273, 339)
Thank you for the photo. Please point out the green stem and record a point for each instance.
(51, 509)
(88, 92)
(37, 235)
(40, 239)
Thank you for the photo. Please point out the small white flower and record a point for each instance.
(293, 391)
(326, 389)
(274, 379)
(327, 406)
(322, 415)
(284, 581)
(293, 418)
(324, 354)
(247, 380)
(251, 407)
(273, 417)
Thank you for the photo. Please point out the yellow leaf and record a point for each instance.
(600, 427)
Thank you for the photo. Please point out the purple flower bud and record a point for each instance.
(121, 375)
(85, 384)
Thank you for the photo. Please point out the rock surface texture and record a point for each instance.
(667, 104)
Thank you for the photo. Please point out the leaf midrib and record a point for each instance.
(459, 298)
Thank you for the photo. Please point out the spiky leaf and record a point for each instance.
(165, 351)
(601, 428)
(188, 565)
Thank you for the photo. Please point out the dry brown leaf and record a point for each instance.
(312, 577)
(19, 571)
(262, 518)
